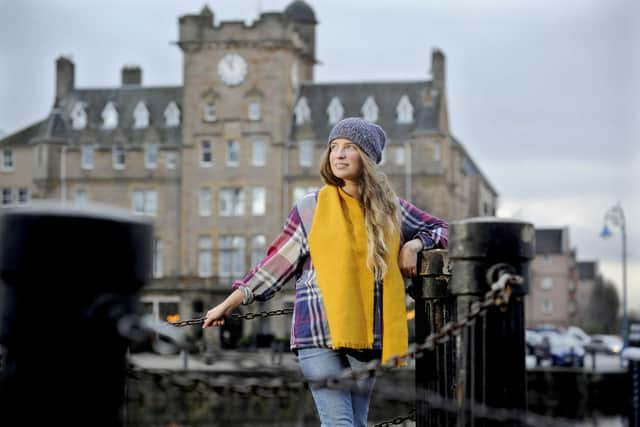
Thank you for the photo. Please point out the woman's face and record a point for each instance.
(345, 160)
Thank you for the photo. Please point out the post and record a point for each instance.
(70, 274)
(632, 355)
(434, 370)
(490, 355)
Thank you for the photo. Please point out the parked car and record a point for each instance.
(533, 340)
(605, 344)
(579, 335)
(561, 349)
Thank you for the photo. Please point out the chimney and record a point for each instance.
(65, 78)
(438, 69)
(131, 75)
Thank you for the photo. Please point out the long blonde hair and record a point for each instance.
(380, 206)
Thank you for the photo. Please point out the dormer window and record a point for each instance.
(172, 115)
(370, 110)
(254, 110)
(210, 112)
(335, 111)
(109, 116)
(78, 116)
(302, 111)
(141, 116)
(404, 110)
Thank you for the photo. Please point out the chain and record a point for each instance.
(235, 316)
(498, 296)
(411, 416)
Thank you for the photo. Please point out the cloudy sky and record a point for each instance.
(545, 94)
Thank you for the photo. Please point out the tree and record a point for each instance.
(602, 311)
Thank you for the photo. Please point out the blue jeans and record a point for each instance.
(336, 408)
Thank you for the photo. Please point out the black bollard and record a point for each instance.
(490, 354)
(69, 275)
(434, 370)
(632, 355)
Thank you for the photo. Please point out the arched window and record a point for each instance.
(370, 110)
(302, 111)
(335, 111)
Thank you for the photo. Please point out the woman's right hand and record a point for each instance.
(215, 316)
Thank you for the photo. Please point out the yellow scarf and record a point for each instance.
(338, 246)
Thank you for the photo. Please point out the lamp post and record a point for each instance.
(615, 217)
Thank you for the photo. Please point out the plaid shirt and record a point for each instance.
(288, 260)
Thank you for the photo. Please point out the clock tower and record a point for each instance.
(240, 84)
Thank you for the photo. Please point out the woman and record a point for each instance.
(347, 246)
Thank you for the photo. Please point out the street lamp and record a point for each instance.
(615, 217)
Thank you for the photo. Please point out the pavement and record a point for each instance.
(223, 360)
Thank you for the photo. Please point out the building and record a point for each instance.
(218, 161)
(553, 282)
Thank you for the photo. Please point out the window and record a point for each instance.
(210, 112)
(306, 153)
(258, 157)
(171, 159)
(151, 156)
(7, 196)
(78, 116)
(547, 306)
(437, 155)
(40, 154)
(233, 153)
(231, 202)
(119, 157)
(300, 192)
(140, 116)
(370, 110)
(546, 283)
(399, 156)
(23, 195)
(205, 154)
(335, 111)
(109, 116)
(87, 156)
(258, 201)
(258, 248)
(302, 111)
(205, 201)
(204, 257)
(254, 110)
(8, 160)
(81, 197)
(231, 261)
(404, 110)
(172, 115)
(158, 267)
(145, 202)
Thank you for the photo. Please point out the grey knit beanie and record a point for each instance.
(368, 136)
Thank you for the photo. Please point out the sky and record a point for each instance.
(544, 94)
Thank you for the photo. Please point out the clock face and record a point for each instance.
(232, 69)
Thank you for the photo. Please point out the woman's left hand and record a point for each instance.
(408, 258)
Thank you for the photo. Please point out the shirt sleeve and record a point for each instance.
(279, 265)
(417, 224)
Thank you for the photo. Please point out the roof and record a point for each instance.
(472, 165)
(125, 100)
(551, 241)
(386, 95)
(301, 12)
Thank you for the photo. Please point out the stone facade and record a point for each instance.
(251, 128)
